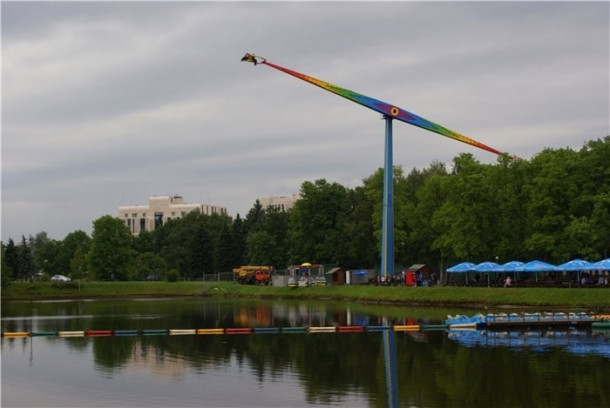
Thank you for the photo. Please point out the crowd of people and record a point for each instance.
(402, 280)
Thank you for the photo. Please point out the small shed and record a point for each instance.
(337, 276)
(412, 274)
(361, 276)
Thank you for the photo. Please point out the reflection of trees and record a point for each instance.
(445, 374)
(436, 372)
(334, 364)
(111, 353)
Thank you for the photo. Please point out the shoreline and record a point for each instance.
(464, 305)
(476, 298)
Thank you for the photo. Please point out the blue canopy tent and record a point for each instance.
(463, 267)
(510, 266)
(599, 266)
(576, 265)
(603, 265)
(534, 266)
(537, 266)
(487, 266)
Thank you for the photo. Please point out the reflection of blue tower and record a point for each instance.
(389, 358)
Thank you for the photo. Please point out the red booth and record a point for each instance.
(410, 278)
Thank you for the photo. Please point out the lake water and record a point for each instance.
(550, 368)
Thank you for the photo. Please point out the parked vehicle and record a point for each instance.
(60, 278)
(253, 275)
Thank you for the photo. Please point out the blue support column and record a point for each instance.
(387, 217)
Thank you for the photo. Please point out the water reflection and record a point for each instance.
(573, 341)
(368, 369)
(391, 375)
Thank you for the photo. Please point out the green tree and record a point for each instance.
(265, 238)
(78, 264)
(360, 250)
(25, 260)
(254, 218)
(429, 198)
(11, 258)
(47, 258)
(238, 234)
(373, 190)
(202, 253)
(68, 247)
(588, 232)
(148, 266)
(275, 223)
(215, 224)
(551, 188)
(226, 251)
(145, 241)
(36, 243)
(465, 218)
(261, 248)
(599, 233)
(110, 253)
(509, 200)
(174, 238)
(315, 222)
(6, 272)
(189, 244)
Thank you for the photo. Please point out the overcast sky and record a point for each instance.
(106, 104)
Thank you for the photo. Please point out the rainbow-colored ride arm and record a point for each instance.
(384, 108)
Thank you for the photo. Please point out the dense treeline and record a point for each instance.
(554, 207)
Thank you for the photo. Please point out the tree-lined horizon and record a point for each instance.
(554, 207)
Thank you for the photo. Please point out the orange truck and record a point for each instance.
(253, 275)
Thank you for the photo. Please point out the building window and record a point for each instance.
(142, 224)
(158, 219)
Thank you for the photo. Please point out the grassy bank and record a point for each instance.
(533, 297)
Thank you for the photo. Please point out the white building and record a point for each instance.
(159, 210)
(282, 203)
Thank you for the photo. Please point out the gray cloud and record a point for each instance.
(106, 104)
